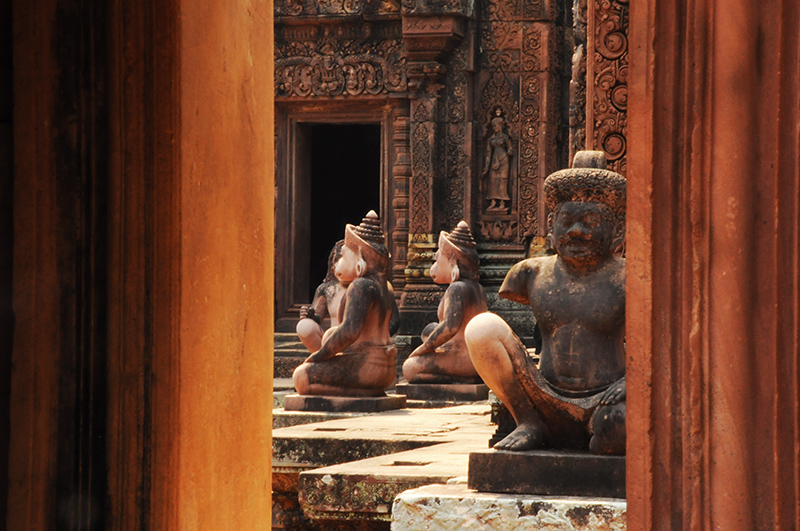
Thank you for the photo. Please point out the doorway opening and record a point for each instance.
(345, 168)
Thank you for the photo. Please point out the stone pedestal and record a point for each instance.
(547, 472)
(364, 404)
(447, 392)
(446, 507)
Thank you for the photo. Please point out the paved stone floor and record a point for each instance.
(406, 468)
(351, 469)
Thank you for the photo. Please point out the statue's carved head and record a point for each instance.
(458, 248)
(591, 191)
(365, 247)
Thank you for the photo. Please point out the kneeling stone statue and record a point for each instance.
(442, 358)
(575, 397)
(357, 357)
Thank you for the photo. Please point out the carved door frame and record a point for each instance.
(292, 171)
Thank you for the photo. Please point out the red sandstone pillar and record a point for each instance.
(180, 309)
(713, 266)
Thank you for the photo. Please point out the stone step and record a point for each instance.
(370, 459)
(288, 355)
(284, 366)
(288, 342)
(290, 347)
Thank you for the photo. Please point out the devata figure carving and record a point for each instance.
(327, 299)
(575, 397)
(358, 357)
(498, 166)
(443, 356)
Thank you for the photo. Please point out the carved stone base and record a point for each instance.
(454, 392)
(366, 404)
(547, 472)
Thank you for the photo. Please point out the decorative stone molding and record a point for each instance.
(284, 9)
(328, 66)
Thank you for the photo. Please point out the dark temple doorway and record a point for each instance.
(345, 185)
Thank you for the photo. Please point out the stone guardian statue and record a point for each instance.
(357, 357)
(327, 298)
(443, 356)
(575, 397)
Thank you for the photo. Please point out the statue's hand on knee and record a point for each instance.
(614, 394)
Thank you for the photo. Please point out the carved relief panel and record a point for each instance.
(520, 111)
(354, 60)
(607, 80)
(294, 8)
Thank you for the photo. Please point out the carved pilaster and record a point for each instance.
(422, 151)
(420, 296)
(401, 171)
(577, 84)
(431, 31)
(607, 88)
(453, 173)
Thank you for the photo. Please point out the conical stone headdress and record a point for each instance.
(369, 239)
(460, 244)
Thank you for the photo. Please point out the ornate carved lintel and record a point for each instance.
(357, 60)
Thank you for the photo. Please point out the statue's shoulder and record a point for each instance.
(461, 288)
(365, 285)
(517, 284)
(327, 289)
(618, 270)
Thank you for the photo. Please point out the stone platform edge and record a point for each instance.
(547, 472)
(444, 392)
(363, 404)
(440, 507)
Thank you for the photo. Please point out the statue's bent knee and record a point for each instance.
(608, 426)
(307, 327)
(300, 379)
(485, 327)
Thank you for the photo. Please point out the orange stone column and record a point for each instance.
(180, 284)
(713, 266)
(226, 307)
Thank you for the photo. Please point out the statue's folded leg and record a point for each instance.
(486, 336)
(310, 333)
(608, 429)
(548, 400)
(366, 371)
